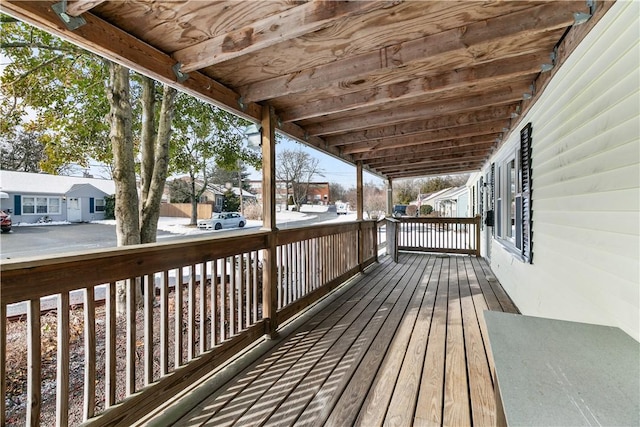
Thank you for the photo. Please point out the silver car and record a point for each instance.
(222, 220)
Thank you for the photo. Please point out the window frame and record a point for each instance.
(513, 211)
(40, 205)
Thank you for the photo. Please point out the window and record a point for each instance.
(99, 205)
(513, 198)
(40, 205)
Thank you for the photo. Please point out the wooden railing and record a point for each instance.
(447, 235)
(202, 303)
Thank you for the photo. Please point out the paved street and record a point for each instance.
(56, 239)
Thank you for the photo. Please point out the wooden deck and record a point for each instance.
(403, 344)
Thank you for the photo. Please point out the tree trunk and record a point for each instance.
(124, 174)
(147, 137)
(150, 211)
(194, 200)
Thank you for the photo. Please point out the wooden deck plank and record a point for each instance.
(505, 301)
(430, 396)
(306, 336)
(333, 346)
(405, 344)
(324, 402)
(456, 410)
(480, 382)
(299, 400)
(480, 305)
(402, 407)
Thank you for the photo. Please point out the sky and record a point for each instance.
(332, 169)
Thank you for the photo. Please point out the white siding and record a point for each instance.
(586, 185)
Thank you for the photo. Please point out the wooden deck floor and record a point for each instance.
(404, 345)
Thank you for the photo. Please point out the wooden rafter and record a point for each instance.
(433, 156)
(426, 125)
(78, 7)
(427, 137)
(503, 96)
(292, 23)
(469, 143)
(478, 36)
(488, 73)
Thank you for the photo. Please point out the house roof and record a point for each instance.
(40, 183)
(406, 88)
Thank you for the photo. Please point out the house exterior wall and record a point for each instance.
(585, 185)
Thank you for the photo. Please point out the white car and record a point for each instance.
(222, 220)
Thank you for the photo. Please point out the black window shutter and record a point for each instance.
(492, 199)
(525, 165)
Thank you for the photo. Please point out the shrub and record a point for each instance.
(412, 210)
(425, 210)
(253, 210)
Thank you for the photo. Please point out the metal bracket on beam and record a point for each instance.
(71, 22)
(180, 76)
(581, 17)
(241, 104)
(554, 55)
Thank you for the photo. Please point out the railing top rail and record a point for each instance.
(291, 235)
(63, 273)
(440, 220)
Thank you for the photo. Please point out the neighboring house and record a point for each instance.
(449, 202)
(317, 193)
(563, 189)
(214, 194)
(35, 196)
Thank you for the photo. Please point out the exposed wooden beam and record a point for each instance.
(406, 160)
(473, 143)
(426, 138)
(534, 20)
(116, 45)
(271, 30)
(502, 96)
(78, 7)
(426, 125)
(491, 72)
(418, 139)
(429, 163)
(434, 172)
(440, 168)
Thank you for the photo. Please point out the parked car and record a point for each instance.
(222, 220)
(5, 222)
(399, 210)
(342, 208)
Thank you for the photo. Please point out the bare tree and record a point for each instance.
(297, 169)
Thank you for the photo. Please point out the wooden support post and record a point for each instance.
(359, 211)
(270, 267)
(477, 233)
(359, 193)
(389, 198)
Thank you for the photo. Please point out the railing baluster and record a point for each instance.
(254, 268)
(89, 353)
(215, 286)
(131, 337)
(62, 362)
(149, 296)
(232, 296)
(249, 296)
(240, 289)
(203, 308)
(110, 346)
(3, 363)
(34, 367)
(178, 337)
(191, 314)
(164, 324)
(223, 300)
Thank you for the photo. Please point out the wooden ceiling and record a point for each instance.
(408, 88)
